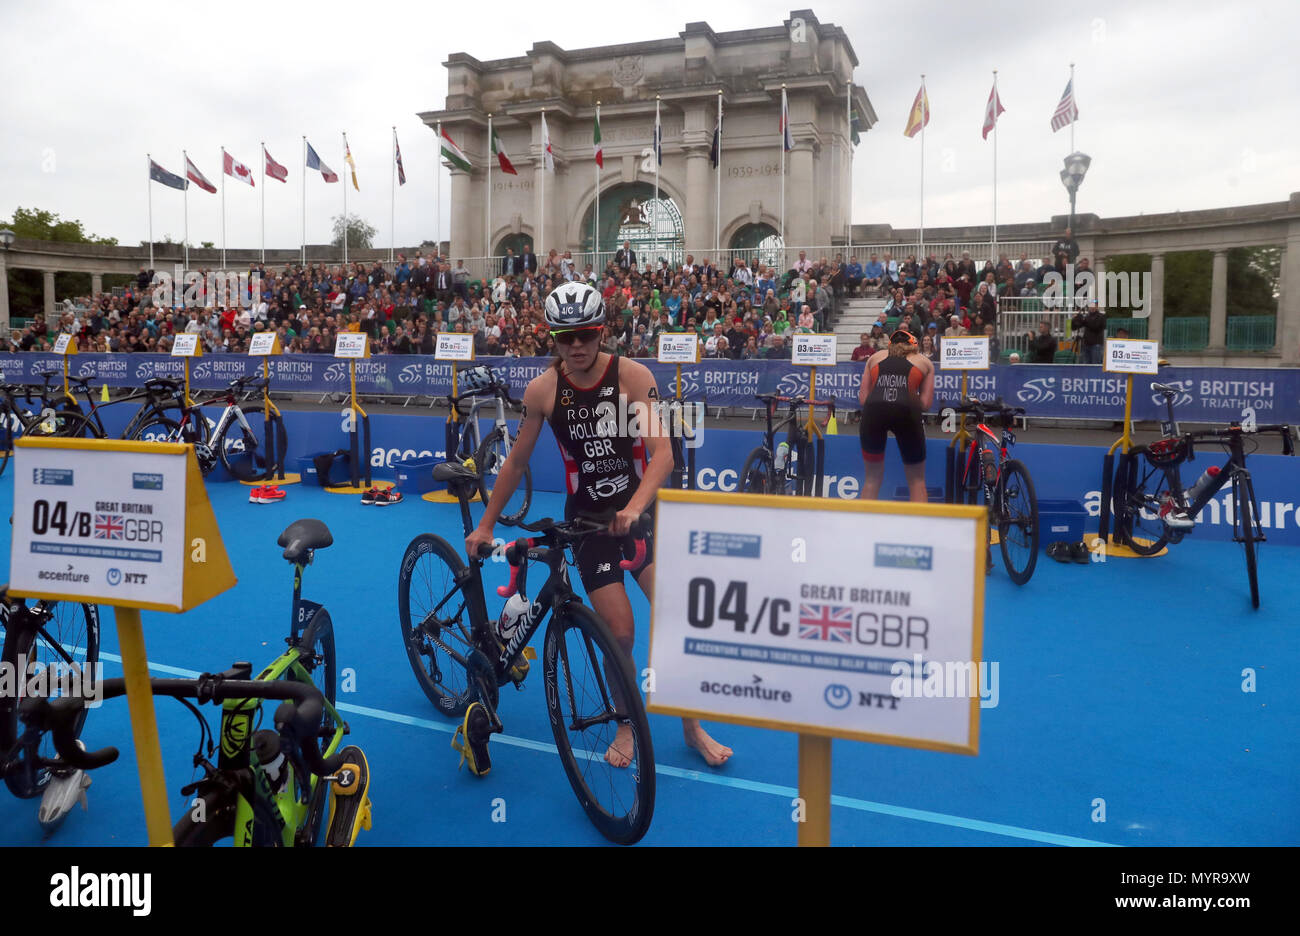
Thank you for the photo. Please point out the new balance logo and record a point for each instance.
(602, 567)
(606, 391)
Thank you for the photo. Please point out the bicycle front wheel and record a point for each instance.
(436, 627)
(756, 476)
(1018, 525)
(489, 458)
(317, 647)
(68, 641)
(1243, 498)
(599, 723)
(1139, 491)
(242, 454)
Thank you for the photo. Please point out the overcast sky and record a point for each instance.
(1183, 106)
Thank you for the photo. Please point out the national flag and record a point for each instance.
(347, 155)
(453, 154)
(274, 169)
(500, 153)
(548, 157)
(1066, 112)
(192, 173)
(715, 148)
(109, 526)
(855, 127)
(169, 179)
(787, 139)
(397, 151)
(314, 162)
(595, 142)
(991, 111)
(659, 140)
(833, 623)
(920, 115)
(232, 167)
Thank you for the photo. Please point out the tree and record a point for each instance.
(360, 234)
(27, 287)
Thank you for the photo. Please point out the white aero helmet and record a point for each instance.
(574, 305)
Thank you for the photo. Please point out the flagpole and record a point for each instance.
(595, 235)
(537, 228)
(995, 165)
(186, 190)
(784, 131)
(392, 201)
(263, 201)
(223, 208)
(149, 185)
(304, 201)
(487, 223)
(717, 206)
(345, 204)
(657, 146)
(437, 194)
(848, 110)
(925, 107)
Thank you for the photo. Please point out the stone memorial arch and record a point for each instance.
(814, 61)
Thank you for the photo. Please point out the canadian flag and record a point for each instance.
(233, 167)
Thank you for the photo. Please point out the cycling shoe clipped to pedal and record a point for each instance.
(471, 739)
(350, 804)
(65, 790)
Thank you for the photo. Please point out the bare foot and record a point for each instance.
(714, 754)
(621, 748)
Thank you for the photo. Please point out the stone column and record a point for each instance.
(800, 202)
(96, 283)
(1219, 302)
(49, 296)
(4, 295)
(697, 132)
(1156, 300)
(466, 239)
(1288, 307)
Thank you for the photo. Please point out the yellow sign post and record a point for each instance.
(187, 346)
(66, 345)
(126, 524)
(451, 347)
(354, 346)
(266, 345)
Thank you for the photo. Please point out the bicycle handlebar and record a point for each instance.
(517, 550)
(996, 405)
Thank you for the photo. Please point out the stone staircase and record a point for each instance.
(856, 316)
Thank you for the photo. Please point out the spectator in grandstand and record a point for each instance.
(853, 276)
(864, 349)
(625, 257)
(779, 351)
(872, 273)
(527, 260)
(1066, 246)
(825, 300)
(1042, 347)
(929, 347)
(995, 344)
(803, 264)
(751, 350)
(1093, 323)
(1013, 357)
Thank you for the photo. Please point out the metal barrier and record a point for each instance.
(1018, 318)
(1186, 334)
(1252, 332)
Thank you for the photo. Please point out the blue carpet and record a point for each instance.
(1119, 682)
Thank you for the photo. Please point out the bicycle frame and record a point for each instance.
(471, 431)
(795, 435)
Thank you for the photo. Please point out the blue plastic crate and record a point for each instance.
(415, 476)
(340, 474)
(1060, 520)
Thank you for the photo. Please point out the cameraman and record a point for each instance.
(1042, 347)
(1093, 323)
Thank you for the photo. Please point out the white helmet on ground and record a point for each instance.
(574, 305)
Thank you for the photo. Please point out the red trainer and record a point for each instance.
(384, 498)
(272, 493)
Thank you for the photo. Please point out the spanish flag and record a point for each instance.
(920, 115)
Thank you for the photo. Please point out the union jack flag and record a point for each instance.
(108, 526)
(826, 622)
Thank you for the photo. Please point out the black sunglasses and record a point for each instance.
(576, 337)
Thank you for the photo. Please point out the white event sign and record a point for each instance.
(761, 616)
(679, 348)
(62, 344)
(454, 346)
(1132, 356)
(262, 344)
(964, 353)
(185, 345)
(350, 345)
(815, 350)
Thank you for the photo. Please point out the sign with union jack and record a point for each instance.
(826, 622)
(108, 526)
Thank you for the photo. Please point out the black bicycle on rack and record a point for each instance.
(1148, 493)
(461, 658)
(482, 388)
(789, 467)
(1005, 485)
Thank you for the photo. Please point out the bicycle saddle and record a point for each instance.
(452, 471)
(1164, 388)
(302, 537)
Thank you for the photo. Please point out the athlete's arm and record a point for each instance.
(927, 385)
(864, 387)
(641, 390)
(539, 391)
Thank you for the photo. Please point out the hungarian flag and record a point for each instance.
(274, 169)
(548, 157)
(920, 115)
(595, 142)
(499, 152)
(192, 173)
(991, 111)
(232, 167)
(347, 155)
(397, 150)
(453, 154)
(314, 162)
(158, 174)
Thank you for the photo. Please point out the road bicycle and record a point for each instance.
(159, 394)
(50, 649)
(1005, 485)
(268, 788)
(787, 468)
(1148, 488)
(461, 658)
(483, 388)
(39, 414)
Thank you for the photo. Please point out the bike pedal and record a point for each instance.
(63, 792)
(475, 730)
(350, 804)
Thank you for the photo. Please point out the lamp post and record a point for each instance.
(1076, 167)
(6, 239)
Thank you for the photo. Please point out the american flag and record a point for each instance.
(108, 526)
(826, 622)
(1066, 112)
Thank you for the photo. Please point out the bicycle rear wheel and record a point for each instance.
(436, 629)
(242, 454)
(489, 458)
(70, 636)
(591, 693)
(1018, 525)
(1140, 488)
(756, 475)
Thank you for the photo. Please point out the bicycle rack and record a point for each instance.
(953, 493)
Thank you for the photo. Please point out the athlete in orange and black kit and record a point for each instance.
(897, 387)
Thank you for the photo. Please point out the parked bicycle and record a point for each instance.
(483, 388)
(1006, 487)
(50, 649)
(461, 658)
(789, 467)
(38, 414)
(1150, 506)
